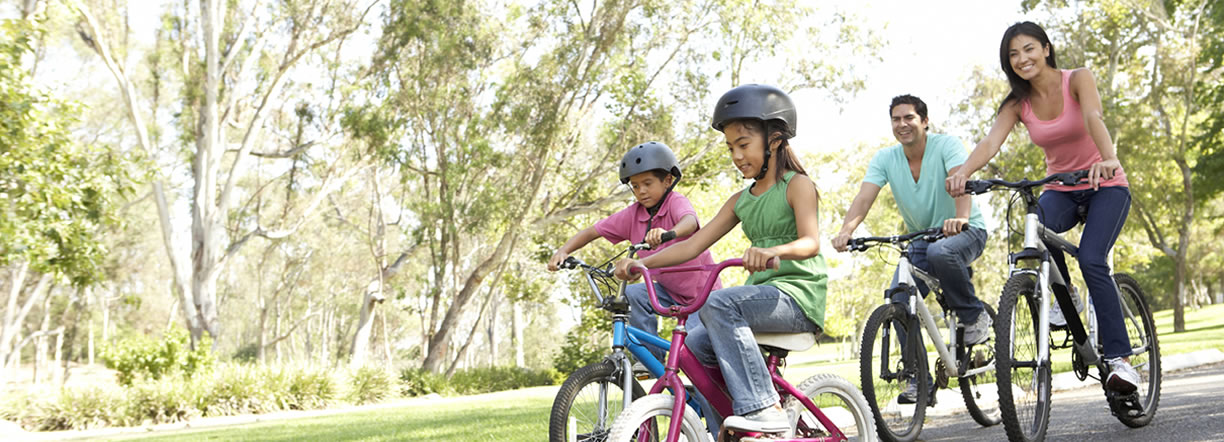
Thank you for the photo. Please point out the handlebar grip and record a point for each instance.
(569, 263)
(977, 187)
(668, 235)
(1073, 178)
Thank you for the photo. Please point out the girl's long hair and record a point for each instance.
(1021, 89)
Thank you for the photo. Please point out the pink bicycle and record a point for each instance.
(825, 407)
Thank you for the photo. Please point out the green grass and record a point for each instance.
(522, 415)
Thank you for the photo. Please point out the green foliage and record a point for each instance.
(490, 379)
(420, 382)
(309, 389)
(369, 384)
(578, 351)
(139, 357)
(162, 401)
(247, 353)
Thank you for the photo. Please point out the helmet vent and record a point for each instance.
(638, 161)
(730, 103)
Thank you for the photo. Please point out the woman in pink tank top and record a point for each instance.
(1062, 111)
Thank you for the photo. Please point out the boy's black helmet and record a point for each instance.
(756, 101)
(646, 157)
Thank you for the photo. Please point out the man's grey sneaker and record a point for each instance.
(910, 395)
(640, 371)
(1056, 315)
(765, 420)
(1122, 377)
(979, 330)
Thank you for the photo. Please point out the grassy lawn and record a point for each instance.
(522, 415)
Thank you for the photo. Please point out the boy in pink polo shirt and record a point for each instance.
(651, 170)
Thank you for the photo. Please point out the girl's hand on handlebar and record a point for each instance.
(622, 269)
(955, 184)
(655, 237)
(1102, 171)
(554, 263)
(757, 259)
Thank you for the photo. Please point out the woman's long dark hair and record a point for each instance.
(1021, 88)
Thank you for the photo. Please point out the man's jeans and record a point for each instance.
(725, 338)
(948, 260)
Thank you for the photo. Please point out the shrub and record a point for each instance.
(490, 379)
(420, 382)
(369, 384)
(140, 357)
(309, 389)
(237, 389)
(577, 352)
(162, 401)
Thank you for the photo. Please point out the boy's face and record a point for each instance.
(648, 188)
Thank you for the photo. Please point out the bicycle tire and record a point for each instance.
(885, 377)
(653, 413)
(837, 395)
(1141, 329)
(576, 398)
(981, 389)
(1025, 409)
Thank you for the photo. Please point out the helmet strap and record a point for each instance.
(768, 153)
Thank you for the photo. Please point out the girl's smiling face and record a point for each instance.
(747, 148)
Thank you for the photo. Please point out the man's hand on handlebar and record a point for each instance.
(952, 226)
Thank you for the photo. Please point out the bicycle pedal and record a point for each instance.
(1125, 405)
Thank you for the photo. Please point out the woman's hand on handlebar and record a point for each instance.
(955, 184)
(1102, 171)
(558, 257)
(622, 269)
(757, 259)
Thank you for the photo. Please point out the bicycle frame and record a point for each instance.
(708, 380)
(916, 307)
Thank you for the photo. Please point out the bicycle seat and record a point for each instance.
(787, 341)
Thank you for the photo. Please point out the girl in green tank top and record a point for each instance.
(778, 212)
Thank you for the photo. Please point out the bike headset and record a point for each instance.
(646, 157)
(757, 102)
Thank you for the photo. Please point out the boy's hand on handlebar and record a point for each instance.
(952, 226)
(655, 237)
(622, 269)
(841, 242)
(558, 257)
(1102, 171)
(757, 259)
(955, 184)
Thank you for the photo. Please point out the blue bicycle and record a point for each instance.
(593, 395)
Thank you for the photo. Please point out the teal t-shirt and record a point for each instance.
(926, 203)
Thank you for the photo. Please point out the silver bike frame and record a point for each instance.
(906, 272)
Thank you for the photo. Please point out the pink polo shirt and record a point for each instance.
(629, 224)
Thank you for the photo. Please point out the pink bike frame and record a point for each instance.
(709, 380)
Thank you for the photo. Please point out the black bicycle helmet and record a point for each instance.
(756, 101)
(646, 157)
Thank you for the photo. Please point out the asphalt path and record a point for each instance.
(1191, 409)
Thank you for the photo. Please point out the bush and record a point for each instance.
(577, 352)
(420, 382)
(369, 384)
(490, 379)
(139, 357)
(310, 389)
(238, 389)
(162, 401)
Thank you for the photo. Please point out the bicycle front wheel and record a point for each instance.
(649, 419)
(1024, 385)
(981, 391)
(1145, 348)
(837, 398)
(587, 402)
(886, 375)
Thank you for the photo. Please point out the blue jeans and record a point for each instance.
(725, 338)
(1107, 211)
(642, 315)
(948, 260)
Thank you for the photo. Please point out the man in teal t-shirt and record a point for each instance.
(916, 169)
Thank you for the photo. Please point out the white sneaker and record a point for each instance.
(978, 331)
(765, 420)
(1056, 315)
(1122, 377)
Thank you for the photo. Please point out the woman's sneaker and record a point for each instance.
(1056, 315)
(765, 420)
(1122, 377)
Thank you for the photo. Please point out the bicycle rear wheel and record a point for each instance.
(587, 403)
(1145, 348)
(1024, 386)
(981, 391)
(885, 374)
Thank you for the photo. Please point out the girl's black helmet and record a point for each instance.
(646, 157)
(756, 101)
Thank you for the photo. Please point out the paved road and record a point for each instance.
(1191, 409)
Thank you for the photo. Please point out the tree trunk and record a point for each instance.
(1179, 310)
(516, 334)
(361, 340)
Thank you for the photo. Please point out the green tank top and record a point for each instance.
(768, 220)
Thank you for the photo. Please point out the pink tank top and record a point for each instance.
(1068, 146)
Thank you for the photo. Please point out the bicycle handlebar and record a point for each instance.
(930, 235)
(978, 187)
(572, 262)
(685, 310)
